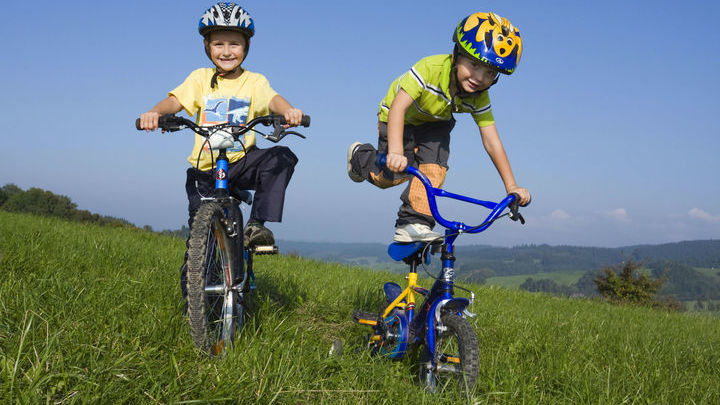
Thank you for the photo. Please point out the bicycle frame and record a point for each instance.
(440, 297)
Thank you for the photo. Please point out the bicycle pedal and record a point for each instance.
(372, 339)
(365, 318)
(265, 250)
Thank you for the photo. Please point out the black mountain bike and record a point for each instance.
(219, 266)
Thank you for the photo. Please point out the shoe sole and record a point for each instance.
(408, 239)
(353, 176)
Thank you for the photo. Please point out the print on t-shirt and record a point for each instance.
(221, 110)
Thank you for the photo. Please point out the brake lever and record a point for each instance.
(294, 133)
(515, 214)
(277, 134)
(280, 132)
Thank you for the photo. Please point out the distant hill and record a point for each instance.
(525, 259)
(676, 262)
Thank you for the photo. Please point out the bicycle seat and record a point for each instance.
(401, 251)
(242, 195)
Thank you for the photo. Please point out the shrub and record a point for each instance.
(631, 286)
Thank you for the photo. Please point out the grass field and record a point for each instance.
(709, 272)
(93, 315)
(561, 278)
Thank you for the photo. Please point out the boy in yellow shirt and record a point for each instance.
(229, 93)
(416, 117)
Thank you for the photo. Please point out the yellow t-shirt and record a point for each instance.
(236, 101)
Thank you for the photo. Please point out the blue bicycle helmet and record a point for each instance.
(490, 39)
(226, 16)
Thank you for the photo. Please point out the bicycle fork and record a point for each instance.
(439, 301)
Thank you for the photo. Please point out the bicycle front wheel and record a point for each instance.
(214, 306)
(456, 360)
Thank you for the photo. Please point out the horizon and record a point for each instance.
(615, 139)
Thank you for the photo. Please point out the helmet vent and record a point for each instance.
(226, 15)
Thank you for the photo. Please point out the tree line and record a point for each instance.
(41, 202)
(531, 259)
(37, 201)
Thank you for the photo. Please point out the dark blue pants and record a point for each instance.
(267, 171)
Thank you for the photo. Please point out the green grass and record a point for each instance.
(714, 272)
(561, 278)
(93, 315)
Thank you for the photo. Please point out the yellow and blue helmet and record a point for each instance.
(226, 16)
(490, 39)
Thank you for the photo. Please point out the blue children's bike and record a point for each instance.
(449, 346)
(219, 265)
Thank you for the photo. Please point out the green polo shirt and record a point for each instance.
(428, 84)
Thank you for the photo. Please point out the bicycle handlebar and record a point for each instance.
(511, 202)
(172, 123)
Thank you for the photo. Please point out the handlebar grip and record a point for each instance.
(517, 200)
(165, 122)
(304, 121)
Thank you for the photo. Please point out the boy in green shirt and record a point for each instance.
(416, 117)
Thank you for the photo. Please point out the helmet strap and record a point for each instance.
(219, 72)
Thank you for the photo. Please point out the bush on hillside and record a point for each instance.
(8, 191)
(633, 286)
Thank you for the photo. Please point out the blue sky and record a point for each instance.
(610, 119)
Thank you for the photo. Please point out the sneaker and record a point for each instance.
(415, 233)
(257, 235)
(353, 176)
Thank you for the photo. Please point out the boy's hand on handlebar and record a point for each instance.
(293, 117)
(522, 192)
(149, 121)
(396, 162)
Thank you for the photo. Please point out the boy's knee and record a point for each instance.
(284, 156)
(435, 173)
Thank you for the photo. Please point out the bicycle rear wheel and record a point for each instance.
(456, 359)
(214, 257)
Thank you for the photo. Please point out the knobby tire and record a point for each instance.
(214, 310)
(457, 342)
